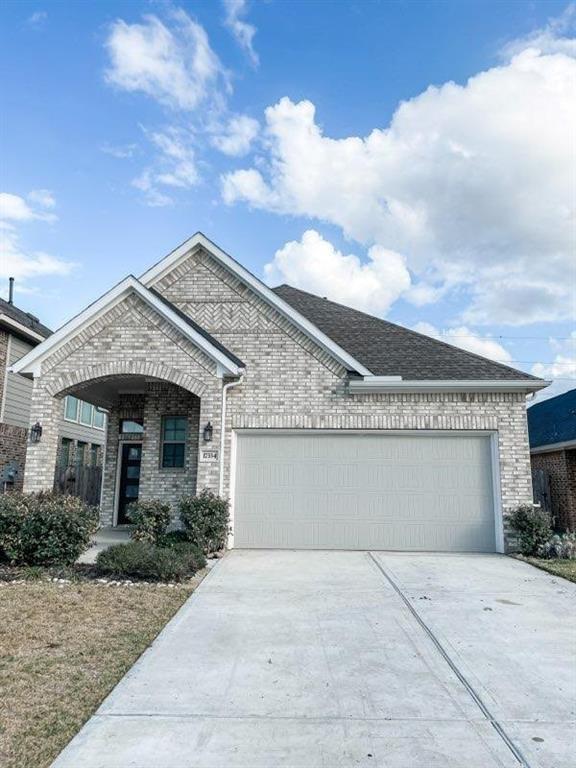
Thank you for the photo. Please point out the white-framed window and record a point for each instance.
(83, 413)
(71, 408)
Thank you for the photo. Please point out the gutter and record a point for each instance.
(225, 389)
(375, 384)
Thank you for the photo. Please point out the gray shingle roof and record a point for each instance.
(24, 318)
(553, 420)
(387, 349)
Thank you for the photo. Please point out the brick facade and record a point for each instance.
(13, 449)
(561, 469)
(289, 382)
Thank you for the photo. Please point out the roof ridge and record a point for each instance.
(410, 331)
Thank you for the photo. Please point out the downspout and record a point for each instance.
(225, 389)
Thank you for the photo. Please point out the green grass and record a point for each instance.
(564, 568)
(63, 647)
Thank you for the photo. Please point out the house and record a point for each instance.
(326, 427)
(81, 427)
(552, 431)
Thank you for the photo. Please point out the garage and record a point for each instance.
(427, 491)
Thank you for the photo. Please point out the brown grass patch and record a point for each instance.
(62, 650)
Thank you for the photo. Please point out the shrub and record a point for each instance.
(141, 560)
(561, 546)
(151, 519)
(533, 526)
(205, 519)
(173, 538)
(44, 528)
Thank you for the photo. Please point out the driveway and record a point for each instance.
(286, 659)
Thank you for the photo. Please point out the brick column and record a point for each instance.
(210, 411)
(41, 456)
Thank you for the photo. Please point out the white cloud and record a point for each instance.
(242, 31)
(15, 261)
(465, 338)
(120, 151)
(562, 370)
(173, 64)
(37, 19)
(237, 137)
(473, 183)
(552, 38)
(14, 208)
(315, 265)
(174, 166)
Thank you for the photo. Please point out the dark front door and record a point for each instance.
(129, 478)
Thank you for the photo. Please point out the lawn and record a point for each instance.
(564, 568)
(63, 647)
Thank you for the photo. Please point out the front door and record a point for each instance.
(129, 478)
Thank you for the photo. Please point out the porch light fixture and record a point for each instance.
(36, 432)
(208, 430)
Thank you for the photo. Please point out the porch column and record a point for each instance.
(41, 455)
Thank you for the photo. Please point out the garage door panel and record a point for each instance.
(364, 491)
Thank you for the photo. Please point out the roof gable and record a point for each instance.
(228, 363)
(197, 241)
(391, 350)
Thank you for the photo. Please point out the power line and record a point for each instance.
(518, 338)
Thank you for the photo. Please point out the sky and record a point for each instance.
(415, 160)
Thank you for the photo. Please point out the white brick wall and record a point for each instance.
(289, 383)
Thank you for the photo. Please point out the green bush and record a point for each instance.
(533, 526)
(173, 538)
(205, 519)
(151, 518)
(44, 528)
(141, 560)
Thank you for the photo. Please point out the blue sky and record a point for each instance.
(409, 158)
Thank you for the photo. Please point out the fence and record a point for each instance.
(541, 489)
(81, 480)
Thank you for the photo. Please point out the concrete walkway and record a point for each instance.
(338, 659)
(102, 539)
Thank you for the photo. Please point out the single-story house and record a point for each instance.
(81, 427)
(552, 431)
(326, 427)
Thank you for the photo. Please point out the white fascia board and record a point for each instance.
(22, 330)
(31, 364)
(159, 270)
(371, 384)
(551, 447)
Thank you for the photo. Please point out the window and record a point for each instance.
(131, 426)
(71, 408)
(81, 453)
(65, 451)
(86, 413)
(94, 449)
(173, 441)
(99, 418)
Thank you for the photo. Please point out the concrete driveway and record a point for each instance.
(340, 659)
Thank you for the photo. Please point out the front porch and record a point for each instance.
(155, 429)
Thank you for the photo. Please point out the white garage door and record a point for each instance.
(326, 490)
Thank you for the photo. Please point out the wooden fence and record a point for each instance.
(81, 480)
(541, 489)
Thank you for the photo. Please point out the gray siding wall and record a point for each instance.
(18, 394)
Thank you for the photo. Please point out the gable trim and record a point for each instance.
(159, 270)
(31, 364)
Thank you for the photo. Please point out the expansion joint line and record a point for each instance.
(442, 651)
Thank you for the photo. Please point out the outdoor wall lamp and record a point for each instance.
(36, 432)
(208, 430)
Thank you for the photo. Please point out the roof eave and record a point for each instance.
(375, 384)
(31, 364)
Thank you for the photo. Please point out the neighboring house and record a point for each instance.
(552, 429)
(340, 430)
(81, 428)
